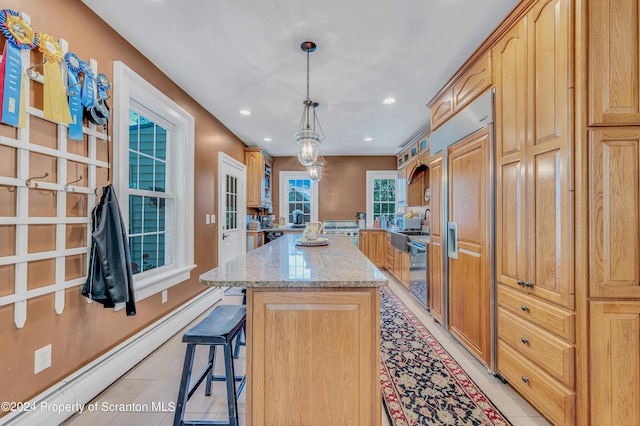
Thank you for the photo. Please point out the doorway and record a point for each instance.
(232, 208)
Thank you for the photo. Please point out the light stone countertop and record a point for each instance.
(281, 263)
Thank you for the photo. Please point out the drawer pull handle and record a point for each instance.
(524, 340)
(525, 379)
(520, 282)
(524, 308)
(528, 284)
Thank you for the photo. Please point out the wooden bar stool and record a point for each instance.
(219, 328)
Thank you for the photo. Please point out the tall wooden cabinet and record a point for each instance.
(259, 190)
(534, 234)
(435, 249)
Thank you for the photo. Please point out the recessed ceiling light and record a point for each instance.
(267, 139)
(368, 139)
(389, 101)
(245, 112)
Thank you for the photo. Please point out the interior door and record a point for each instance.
(468, 242)
(231, 209)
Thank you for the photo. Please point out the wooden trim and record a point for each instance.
(516, 13)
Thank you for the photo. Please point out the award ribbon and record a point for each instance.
(88, 90)
(56, 107)
(75, 104)
(103, 85)
(19, 35)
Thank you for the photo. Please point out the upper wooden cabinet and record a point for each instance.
(533, 76)
(614, 62)
(614, 212)
(259, 166)
(442, 109)
(465, 89)
(472, 83)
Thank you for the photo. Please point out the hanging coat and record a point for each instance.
(109, 278)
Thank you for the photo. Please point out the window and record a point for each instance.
(381, 195)
(153, 149)
(298, 193)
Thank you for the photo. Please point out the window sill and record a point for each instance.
(148, 286)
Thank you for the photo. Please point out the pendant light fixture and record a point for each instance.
(308, 138)
(315, 170)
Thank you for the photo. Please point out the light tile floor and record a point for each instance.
(155, 381)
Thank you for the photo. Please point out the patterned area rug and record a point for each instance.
(421, 383)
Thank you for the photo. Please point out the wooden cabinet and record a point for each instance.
(401, 266)
(314, 356)
(254, 240)
(534, 158)
(389, 264)
(614, 62)
(442, 110)
(259, 189)
(435, 249)
(373, 244)
(615, 363)
(473, 82)
(614, 212)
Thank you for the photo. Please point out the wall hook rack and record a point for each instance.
(66, 185)
(72, 92)
(31, 73)
(35, 184)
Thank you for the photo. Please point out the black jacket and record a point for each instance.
(109, 279)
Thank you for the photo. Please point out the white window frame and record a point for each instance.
(371, 176)
(284, 178)
(128, 86)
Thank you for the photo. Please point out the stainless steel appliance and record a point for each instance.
(344, 227)
(419, 285)
(298, 218)
(266, 221)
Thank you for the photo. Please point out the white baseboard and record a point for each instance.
(85, 384)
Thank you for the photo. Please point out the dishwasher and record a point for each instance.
(418, 271)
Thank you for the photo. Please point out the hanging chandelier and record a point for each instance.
(308, 138)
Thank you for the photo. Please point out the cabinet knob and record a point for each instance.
(524, 340)
(525, 379)
(524, 308)
(528, 284)
(520, 282)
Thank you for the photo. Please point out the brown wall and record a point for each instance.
(85, 331)
(342, 189)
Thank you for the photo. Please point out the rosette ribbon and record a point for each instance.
(88, 87)
(75, 104)
(19, 36)
(56, 107)
(103, 85)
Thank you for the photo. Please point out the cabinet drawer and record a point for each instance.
(549, 352)
(547, 395)
(551, 318)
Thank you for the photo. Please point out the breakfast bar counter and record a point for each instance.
(313, 332)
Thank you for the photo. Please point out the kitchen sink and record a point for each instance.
(399, 240)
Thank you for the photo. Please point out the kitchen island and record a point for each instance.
(313, 332)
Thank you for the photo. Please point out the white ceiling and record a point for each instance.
(245, 54)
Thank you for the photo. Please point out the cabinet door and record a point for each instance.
(253, 161)
(614, 212)
(548, 156)
(435, 249)
(363, 242)
(615, 363)
(442, 110)
(475, 81)
(511, 85)
(380, 248)
(614, 62)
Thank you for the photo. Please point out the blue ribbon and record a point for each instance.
(103, 85)
(88, 90)
(12, 85)
(75, 104)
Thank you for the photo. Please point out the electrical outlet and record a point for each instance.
(213, 218)
(42, 359)
(165, 295)
(207, 219)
